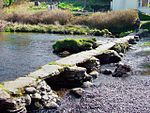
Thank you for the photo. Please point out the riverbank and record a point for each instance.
(56, 29)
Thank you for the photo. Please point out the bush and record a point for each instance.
(146, 26)
(73, 45)
(45, 17)
(143, 16)
(115, 21)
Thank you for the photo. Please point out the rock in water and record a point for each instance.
(94, 74)
(121, 70)
(77, 92)
(87, 84)
(107, 72)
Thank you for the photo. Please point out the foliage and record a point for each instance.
(146, 25)
(143, 16)
(42, 6)
(70, 6)
(114, 21)
(8, 2)
(74, 45)
(146, 44)
(123, 34)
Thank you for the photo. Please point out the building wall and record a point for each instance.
(124, 4)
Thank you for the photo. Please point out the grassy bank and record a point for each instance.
(56, 29)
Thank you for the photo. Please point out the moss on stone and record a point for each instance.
(121, 47)
(74, 45)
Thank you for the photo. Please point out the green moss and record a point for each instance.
(73, 45)
(146, 44)
(121, 47)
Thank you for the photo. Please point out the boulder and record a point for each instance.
(109, 56)
(132, 41)
(121, 70)
(106, 72)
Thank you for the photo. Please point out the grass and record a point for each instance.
(74, 45)
(56, 29)
(146, 44)
(70, 6)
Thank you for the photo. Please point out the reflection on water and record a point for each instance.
(21, 53)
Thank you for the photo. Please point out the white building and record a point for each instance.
(142, 5)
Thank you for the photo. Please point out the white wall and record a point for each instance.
(124, 4)
(145, 10)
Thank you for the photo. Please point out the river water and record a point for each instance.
(21, 53)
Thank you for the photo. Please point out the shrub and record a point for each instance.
(44, 17)
(143, 16)
(73, 45)
(114, 21)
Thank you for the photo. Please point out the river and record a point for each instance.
(22, 53)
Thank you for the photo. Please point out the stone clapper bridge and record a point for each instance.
(34, 90)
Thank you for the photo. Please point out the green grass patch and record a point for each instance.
(70, 6)
(146, 44)
(56, 29)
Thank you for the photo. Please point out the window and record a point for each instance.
(143, 3)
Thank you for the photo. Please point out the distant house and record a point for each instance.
(142, 5)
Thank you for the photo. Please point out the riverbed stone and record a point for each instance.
(94, 74)
(121, 70)
(77, 92)
(87, 84)
(106, 72)
(52, 105)
(36, 96)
